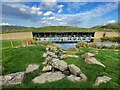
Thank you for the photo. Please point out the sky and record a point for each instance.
(43, 13)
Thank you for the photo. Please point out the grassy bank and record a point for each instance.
(112, 39)
(17, 59)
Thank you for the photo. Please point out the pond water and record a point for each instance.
(73, 45)
(107, 43)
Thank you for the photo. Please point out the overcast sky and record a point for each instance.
(38, 14)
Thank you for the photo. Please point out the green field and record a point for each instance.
(17, 59)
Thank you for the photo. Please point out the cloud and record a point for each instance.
(48, 5)
(60, 10)
(48, 13)
(111, 21)
(35, 8)
(5, 24)
(85, 19)
(20, 10)
(60, 7)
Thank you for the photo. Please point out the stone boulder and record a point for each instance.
(48, 77)
(74, 78)
(45, 55)
(103, 79)
(1, 80)
(67, 56)
(83, 77)
(74, 69)
(59, 64)
(51, 48)
(32, 67)
(47, 68)
(92, 60)
(48, 58)
(52, 54)
(13, 79)
(88, 55)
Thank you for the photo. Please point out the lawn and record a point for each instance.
(17, 59)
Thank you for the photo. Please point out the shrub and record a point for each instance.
(82, 44)
(72, 51)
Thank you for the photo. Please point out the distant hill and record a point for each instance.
(108, 27)
(10, 29)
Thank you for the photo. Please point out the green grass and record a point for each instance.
(17, 59)
(7, 43)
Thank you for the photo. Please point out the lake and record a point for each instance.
(73, 45)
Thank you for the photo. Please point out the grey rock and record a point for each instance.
(52, 54)
(51, 48)
(48, 58)
(59, 64)
(1, 80)
(92, 60)
(66, 72)
(103, 79)
(74, 78)
(13, 79)
(45, 55)
(31, 68)
(88, 55)
(48, 77)
(83, 76)
(67, 56)
(74, 69)
(47, 68)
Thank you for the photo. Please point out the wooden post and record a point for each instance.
(11, 43)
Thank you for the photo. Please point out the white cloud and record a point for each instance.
(60, 6)
(39, 13)
(60, 10)
(51, 18)
(45, 4)
(21, 10)
(5, 24)
(48, 13)
(35, 8)
(111, 21)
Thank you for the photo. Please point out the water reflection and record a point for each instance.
(73, 45)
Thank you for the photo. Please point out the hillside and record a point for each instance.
(108, 27)
(10, 29)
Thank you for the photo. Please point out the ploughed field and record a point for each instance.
(17, 59)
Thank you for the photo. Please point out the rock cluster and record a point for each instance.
(18, 77)
(89, 58)
(57, 69)
(12, 79)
